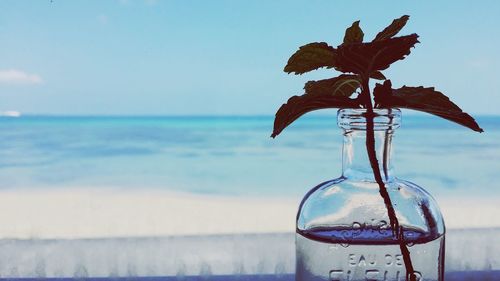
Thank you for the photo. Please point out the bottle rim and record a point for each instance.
(355, 118)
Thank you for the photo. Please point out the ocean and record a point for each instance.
(233, 155)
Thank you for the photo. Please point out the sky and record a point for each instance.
(216, 57)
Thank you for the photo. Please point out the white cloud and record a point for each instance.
(13, 76)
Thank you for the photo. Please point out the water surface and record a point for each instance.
(233, 155)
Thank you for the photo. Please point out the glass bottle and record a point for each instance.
(343, 230)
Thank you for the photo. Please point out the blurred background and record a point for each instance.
(152, 119)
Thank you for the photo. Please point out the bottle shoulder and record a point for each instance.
(344, 187)
(343, 202)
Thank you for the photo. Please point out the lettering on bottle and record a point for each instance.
(368, 266)
(361, 260)
(372, 275)
(366, 263)
(357, 228)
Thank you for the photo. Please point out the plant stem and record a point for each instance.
(397, 230)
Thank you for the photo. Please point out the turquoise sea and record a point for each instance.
(233, 155)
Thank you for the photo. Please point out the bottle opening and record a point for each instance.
(355, 119)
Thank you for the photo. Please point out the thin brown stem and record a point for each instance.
(370, 146)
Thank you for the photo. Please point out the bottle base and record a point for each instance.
(340, 260)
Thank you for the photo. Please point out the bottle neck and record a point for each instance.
(355, 162)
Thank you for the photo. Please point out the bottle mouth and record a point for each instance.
(355, 119)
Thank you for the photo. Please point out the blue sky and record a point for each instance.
(224, 57)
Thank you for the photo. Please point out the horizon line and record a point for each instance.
(56, 115)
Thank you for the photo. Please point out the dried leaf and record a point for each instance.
(343, 85)
(310, 57)
(423, 99)
(392, 29)
(364, 58)
(300, 105)
(353, 34)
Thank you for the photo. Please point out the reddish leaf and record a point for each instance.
(392, 29)
(353, 34)
(364, 58)
(423, 99)
(343, 85)
(310, 57)
(300, 105)
(377, 75)
(382, 93)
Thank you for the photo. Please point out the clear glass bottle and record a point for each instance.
(343, 230)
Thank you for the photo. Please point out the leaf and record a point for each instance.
(392, 29)
(343, 85)
(364, 58)
(300, 105)
(353, 34)
(423, 99)
(310, 57)
(377, 75)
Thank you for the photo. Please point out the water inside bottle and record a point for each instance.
(338, 254)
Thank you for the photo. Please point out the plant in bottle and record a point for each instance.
(407, 238)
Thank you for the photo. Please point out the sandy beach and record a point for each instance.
(103, 213)
(92, 213)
